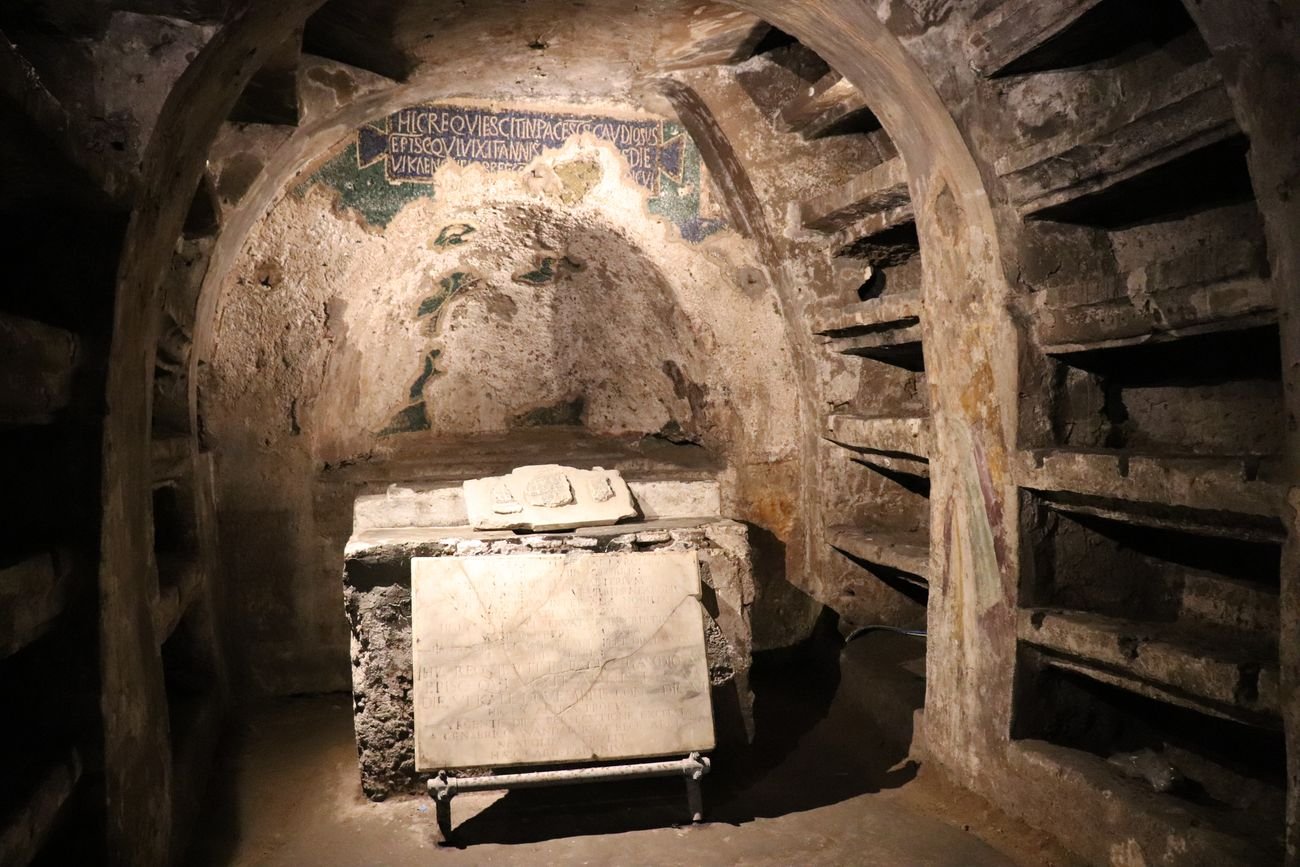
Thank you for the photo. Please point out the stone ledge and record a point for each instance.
(1222, 672)
(432, 506)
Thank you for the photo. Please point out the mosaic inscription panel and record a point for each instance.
(546, 658)
(415, 141)
(394, 160)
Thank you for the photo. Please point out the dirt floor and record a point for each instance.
(827, 782)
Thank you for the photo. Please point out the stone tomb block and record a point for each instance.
(377, 600)
(545, 658)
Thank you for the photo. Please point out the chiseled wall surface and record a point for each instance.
(461, 269)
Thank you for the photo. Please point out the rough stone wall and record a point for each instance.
(377, 596)
(147, 810)
(1127, 351)
(1102, 149)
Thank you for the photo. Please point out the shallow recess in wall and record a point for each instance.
(1223, 585)
(1215, 393)
(1110, 32)
(1222, 775)
(1208, 177)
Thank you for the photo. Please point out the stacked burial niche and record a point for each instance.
(1152, 502)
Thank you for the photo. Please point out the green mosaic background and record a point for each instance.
(370, 193)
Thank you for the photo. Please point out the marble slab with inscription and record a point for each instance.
(547, 658)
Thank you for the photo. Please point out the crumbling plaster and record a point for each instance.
(622, 295)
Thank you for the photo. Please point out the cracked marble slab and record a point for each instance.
(544, 658)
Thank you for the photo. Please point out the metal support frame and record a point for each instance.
(443, 788)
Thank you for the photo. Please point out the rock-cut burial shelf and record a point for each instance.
(828, 102)
(878, 195)
(902, 551)
(179, 580)
(1179, 115)
(886, 329)
(172, 459)
(1217, 486)
(899, 346)
(888, 312)
(1207, 833)
(891, 436)
(870, 218)
(1015, 28)
(1231, 305)
(38, 364)
(33, 595)
(1231, 676)
(27, 828)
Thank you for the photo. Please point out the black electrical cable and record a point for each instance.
(880, 627)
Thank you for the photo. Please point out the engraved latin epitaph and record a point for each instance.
(542, 658)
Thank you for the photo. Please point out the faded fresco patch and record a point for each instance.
(415, 415)
(394, 161)
(454, 235)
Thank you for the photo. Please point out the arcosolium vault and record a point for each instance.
(571, 277)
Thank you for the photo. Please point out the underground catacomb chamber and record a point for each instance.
(879, 418)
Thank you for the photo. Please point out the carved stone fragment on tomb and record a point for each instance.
(548, 497)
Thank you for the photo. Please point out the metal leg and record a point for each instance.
(442, 794)
(694, 796)
(443, 809)
(694, 799)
